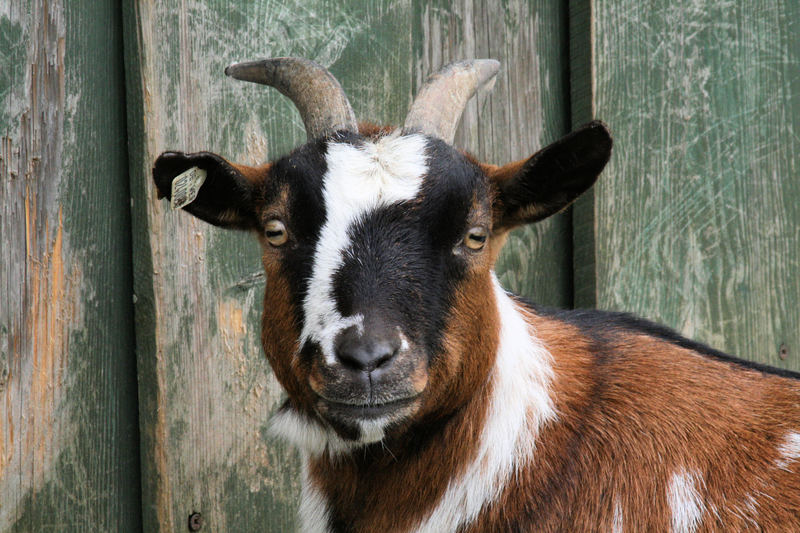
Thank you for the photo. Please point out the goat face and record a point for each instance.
(378, 253)
(372, 275)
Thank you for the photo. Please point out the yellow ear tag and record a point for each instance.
(185, 187)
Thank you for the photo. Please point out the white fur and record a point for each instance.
(310, 437)
(520, 405)
(751, 504)
(789, 450)
(616, 525)
(685, 502)
(359, 179)
(313, 439)
(313, 514)
(372, 430)
(747, 510)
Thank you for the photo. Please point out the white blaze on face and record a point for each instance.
(359, 180)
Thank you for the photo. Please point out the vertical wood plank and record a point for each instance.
(581, 65)
(527, 109)
(206, 391)
(695, 220)
(68, 422)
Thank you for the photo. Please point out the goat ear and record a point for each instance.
(229, 195)
(551, 179)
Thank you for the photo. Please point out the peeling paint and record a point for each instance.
(256, 144)
(61, 436)
(36, 391)
(232, 329)
(4, 351)
(42, 305)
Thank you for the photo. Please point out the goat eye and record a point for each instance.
(275, 230)
(476, 238)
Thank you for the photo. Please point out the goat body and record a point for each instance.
(423, 397)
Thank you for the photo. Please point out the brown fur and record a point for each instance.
(630, 419)
(370, 130)
(279, 333)
(500, 175)
(255, 175)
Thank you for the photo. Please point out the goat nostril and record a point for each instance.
(385, 354)
(365, 354)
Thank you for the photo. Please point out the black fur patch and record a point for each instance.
(302, 173)
(400, 268)
(603, 326)
(225, 199)
(556, 175)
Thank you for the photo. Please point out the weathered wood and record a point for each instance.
(581, 65)
(695, 220)
(526, 110)
(68, 435)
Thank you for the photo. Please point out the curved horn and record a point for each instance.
(315, 92)
(441, 100)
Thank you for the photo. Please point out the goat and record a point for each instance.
(422, 396)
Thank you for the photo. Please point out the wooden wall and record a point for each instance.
(69, 450)
(693, 224)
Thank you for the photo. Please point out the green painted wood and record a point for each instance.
(581, 65)
(527, 109)
(695, 221)
(69, 458)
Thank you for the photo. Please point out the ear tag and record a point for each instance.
(185, 187)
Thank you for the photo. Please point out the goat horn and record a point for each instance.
(311, 87)
(441, 100)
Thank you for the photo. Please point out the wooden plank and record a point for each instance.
(581, 65)
(527, 109)
(68, 413)
(695, 220)
(206, 392)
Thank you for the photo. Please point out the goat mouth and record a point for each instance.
(368, 411)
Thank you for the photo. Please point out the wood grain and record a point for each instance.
(527, 109)
(68, 422)
(695, 219)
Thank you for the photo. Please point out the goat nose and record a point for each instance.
(365, 352)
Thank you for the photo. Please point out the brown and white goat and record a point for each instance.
(422, 396)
